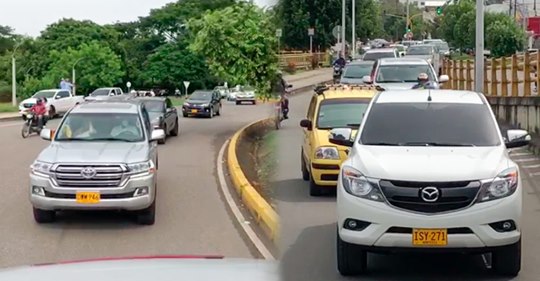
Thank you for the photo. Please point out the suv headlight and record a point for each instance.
(326, 152)
(142, 168)
(358, 185)
(41, 168)
(504, 185)
(186, 104)
(205, 105)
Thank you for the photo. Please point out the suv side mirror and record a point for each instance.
(306, 124)
(46, 134)
(367, 79)
(517, 138)
(341, 136)
(290, 86)
(169, 109)
(157, 134)
(444, 78)
(57, 97)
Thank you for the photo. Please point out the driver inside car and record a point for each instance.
(125, 127)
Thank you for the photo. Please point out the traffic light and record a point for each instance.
(439, 11)
(408, 27)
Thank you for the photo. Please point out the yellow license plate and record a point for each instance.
(194, 111)
(430, 237)
(87, 197)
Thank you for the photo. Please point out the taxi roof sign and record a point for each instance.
(322, 88)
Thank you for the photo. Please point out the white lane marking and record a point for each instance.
(520, 154)
(486, 263)
(236, 211)
(10, 125)
(526, 159)
(531, 166)
(534, 174)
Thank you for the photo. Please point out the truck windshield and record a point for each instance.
(101, 127)
(44, 94)
(100, 92)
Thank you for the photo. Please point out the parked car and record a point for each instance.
(102, 157)
(104, 93)
(427, 52)
(163, 115)
(246, 94)
(202, 103)
(375, 54)
(402, 73)
(429, 171)
(58, 102)
(355, 71)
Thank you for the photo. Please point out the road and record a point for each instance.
(191, 218)
(307, 245)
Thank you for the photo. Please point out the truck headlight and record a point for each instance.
(504, 185)
(142, 168)
(327, 152)
(41, 168)
(355, 183)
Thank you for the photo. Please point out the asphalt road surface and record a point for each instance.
(308, 237)
(191, 215)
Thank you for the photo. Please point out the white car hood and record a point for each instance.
(29, 100)
(429, 163)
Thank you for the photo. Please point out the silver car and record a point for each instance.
(102, 157)
(355, 71)
(402, 73)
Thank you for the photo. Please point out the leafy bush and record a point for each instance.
(291, 67)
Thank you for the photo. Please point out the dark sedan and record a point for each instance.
(163, 115)
(202, 103)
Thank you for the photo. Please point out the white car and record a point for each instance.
(246, 94)
(429, 171)
(379, 53)
(58, 102)
(104, 93)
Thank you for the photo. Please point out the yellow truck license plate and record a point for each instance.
(430, 237)
(194, 111)
(87, 197)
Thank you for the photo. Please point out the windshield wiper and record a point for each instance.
(354, 125)
(382, 143)
(435, 144)
(94, 139)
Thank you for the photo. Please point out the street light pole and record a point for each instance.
(14, 76)
(479, 56)
(343, 25)
(74, 76)
(354, 28)
(408, 20)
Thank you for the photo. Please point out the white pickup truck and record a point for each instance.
(58, 101)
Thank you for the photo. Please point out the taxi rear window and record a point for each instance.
(339, 113)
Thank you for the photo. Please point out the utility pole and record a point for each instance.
(479, 56)
(343, 26)
(353, 28)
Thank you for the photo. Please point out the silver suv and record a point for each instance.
(102, 157)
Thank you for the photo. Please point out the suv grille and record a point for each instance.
(451, 195)
(89, 176)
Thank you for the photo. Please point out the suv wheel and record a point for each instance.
(164, 139)
(305, 172)
(42, 216)
(351, 260)
(314, 189)
(218, 113)
(507, 260)
(147, 216)
(174, 131)
(211, 115)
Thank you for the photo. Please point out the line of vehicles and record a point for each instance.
(415, 170)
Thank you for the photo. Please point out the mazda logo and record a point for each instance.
(429, 194)
(88, 172)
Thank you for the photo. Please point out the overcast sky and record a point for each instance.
(32, 16)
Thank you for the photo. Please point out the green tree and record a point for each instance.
(504, 38)
(239, 45)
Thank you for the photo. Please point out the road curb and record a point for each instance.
(265, 215)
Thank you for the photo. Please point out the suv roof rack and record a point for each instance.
(322, 88)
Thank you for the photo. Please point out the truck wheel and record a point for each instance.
(147, 216)
(351, 260)
(42, 216)
(174, 131)
(52, 112)
(164, 139)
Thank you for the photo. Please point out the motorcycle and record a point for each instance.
(337, 73)
(30, 125)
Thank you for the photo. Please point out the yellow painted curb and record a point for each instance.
(265, 215)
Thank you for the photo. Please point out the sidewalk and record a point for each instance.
(5, 116)
(308, 74)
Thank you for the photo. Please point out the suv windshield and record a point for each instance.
(402, 73)
(357, 70)
(379, 55)
(44, 94)
(443, 46)
(100, 92)
(201, 96)
(154, 106)
(419, 124)
(341, 113)
(101, 127)
(420, 50)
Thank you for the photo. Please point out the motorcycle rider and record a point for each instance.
(423, 82)
(341, 62)
(280, 88)
(39, 109)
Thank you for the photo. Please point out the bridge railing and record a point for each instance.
(513, 76)
(298, 60)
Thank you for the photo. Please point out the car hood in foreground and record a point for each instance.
(149, 268)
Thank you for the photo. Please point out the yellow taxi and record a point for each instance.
(333, 106)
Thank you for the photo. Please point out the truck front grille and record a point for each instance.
(89, 176)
